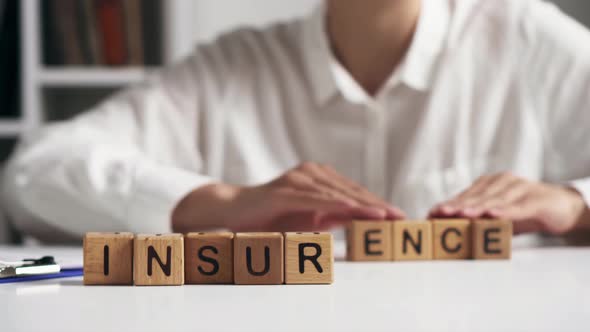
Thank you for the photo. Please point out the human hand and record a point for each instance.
(308, 197)
(532, 206)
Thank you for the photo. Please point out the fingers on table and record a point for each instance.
(485, 195)
(287, 201)
(325, 181)
(361, 194)
(524, 213)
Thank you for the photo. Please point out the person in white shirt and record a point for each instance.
(366, 109)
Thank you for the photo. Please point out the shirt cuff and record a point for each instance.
(583, 187)
(156, 192)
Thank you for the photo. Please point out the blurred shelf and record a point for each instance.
(91, 77)
(10, 128)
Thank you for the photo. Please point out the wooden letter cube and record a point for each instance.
(309, 258)
(452, 238)
(108, 259)
(159, 259)
(492, 239)
(369, 241)
(258, 258)
(209, 258)
(412, 240)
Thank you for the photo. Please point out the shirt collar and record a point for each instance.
(417, 69)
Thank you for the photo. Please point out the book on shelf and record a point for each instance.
(100, 32)
(9, 59)
(92, 48)
(112, 31)
(133, 24)
(65, 21)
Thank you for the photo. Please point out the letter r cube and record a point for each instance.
(309, 258)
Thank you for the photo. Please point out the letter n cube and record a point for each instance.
(158, 259)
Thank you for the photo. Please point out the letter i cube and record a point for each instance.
(108, 259)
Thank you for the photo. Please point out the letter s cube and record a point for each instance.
(209, 258)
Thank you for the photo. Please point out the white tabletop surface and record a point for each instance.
(543, 288)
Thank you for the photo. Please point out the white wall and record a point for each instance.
(214, 16)
(201, 20)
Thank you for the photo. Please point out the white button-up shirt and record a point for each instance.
(486, 86)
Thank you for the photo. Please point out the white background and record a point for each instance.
(204, 19)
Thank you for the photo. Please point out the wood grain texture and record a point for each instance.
(412, 240)
(369, 241)
(209, 258)
(116, 268)
(258, 259)
(452, 239)
(158, 259)
(309, 258)
(492, 239)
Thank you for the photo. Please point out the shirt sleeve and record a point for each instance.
(122, 166)
(558, 77)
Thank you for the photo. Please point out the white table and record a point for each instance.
(543, 288)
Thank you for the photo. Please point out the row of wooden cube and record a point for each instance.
(425, 240)
(208, 258)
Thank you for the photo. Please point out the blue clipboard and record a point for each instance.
(64, 273)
